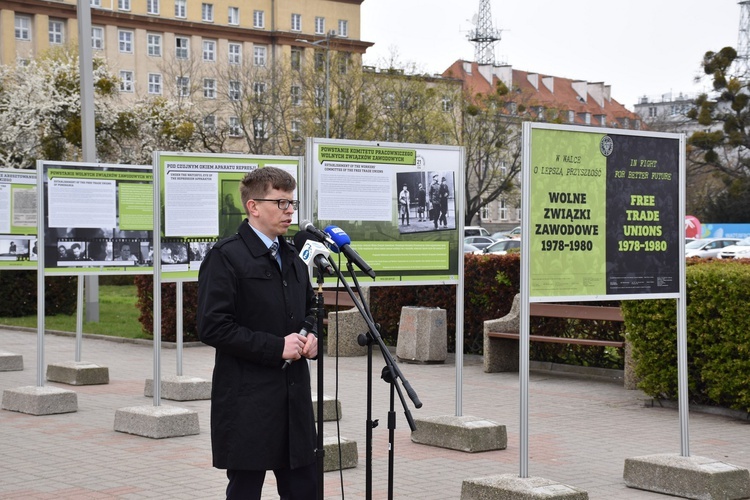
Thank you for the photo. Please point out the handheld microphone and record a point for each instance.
(307, 327)
(306, 225)
(341, 240)
(312, 253)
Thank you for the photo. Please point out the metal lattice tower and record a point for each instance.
(485, 36)
(743, 42)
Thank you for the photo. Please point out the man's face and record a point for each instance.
(61, 250)
(125, 252)
(266, 216)
(77, 251)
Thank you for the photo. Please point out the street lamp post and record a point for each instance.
(327, 41)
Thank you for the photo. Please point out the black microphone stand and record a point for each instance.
(320, 448)
(393, 374)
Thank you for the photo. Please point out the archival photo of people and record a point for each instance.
(198, 251)
(14, 248)
(174, 253)
(231, 212)
(72, 253)
(425, 201)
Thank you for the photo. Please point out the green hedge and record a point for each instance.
(18, 290)
(145, 287)
(491, 282)
(718, 337)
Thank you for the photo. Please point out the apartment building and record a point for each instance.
(142, 39)
(540, 97)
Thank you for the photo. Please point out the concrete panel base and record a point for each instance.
(513, 487)
(343, 341)
(465, 433)
(40, 400)
(10, 362)
(180, 388)
(349, 456)
(689, 477)
(157, 421)
(77, 373)
(422, 335)
(331, 408)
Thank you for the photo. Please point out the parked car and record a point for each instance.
(479, 241)
(514, 233)
(740, 250)
(471, 249)
(708, 247)
(475, 231)
(502, 247)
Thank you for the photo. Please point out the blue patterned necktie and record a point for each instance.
(274, 248)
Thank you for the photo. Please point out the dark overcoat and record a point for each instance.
(261, 415)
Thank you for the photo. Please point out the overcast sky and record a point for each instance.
(639, 47)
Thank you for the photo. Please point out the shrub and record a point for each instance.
(18, 289)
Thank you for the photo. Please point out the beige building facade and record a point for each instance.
(142, 39)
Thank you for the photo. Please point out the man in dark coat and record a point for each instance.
(250, 307)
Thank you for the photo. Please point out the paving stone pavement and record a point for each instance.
(581, 430)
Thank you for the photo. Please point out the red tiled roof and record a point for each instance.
(547, 91)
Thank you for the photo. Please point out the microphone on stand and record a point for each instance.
(313, 254)
(308, 326)
(342, 242)
(307, 226)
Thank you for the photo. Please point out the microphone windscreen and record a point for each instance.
(300, 238)
(339, 237)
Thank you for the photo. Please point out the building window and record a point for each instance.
(97, 38)
(296, 95)
(23, 28)
(234, 16)
(343, 28)
(207, 12)
(209, 88)
(295, 129)
(56, 32)
(154, 83)
(503, 210)
(126, 41)
(447, 104)
(235, 53)
(181, 47)
(320, 60)
(259, 129)
(183, 86)
(320, 25)
(234, 127)
(153, 42)
(180, 8)
(259, 55)
(209, 50)
(571, 116)
(296, 59)
(152, 7)
(126, 81)
(320, 97)
(96, 3)
(259, 19)
(234, 90)
(259, 89)
(209, 122)
(123, 4)
(484, 213)
(344, 60)
(296, 22)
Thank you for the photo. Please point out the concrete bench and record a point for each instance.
(501, 335)
(348, 321)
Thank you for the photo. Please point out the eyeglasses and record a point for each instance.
(282, 203)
